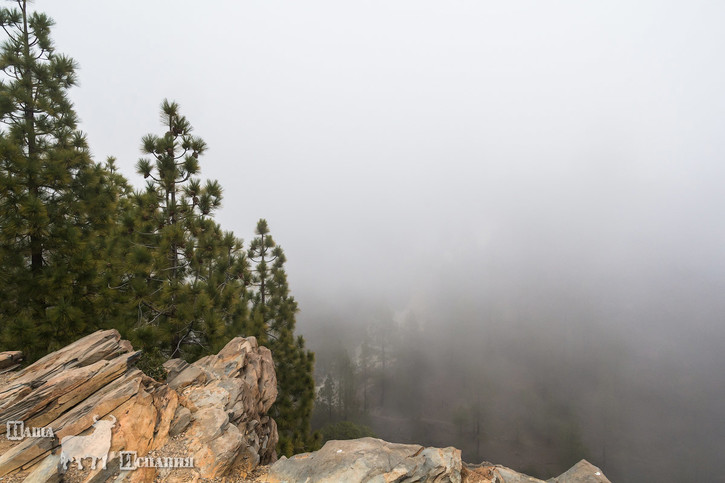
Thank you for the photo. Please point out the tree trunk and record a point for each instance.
(36, 243)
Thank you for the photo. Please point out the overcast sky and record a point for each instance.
(394, 145)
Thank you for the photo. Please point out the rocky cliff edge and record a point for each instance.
(86, 414)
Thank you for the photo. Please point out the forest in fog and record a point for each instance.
(536, 373)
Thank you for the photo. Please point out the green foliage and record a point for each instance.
(55, 202)
(182, 280)
(151, 363)
(345, 430)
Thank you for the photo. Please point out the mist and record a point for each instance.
(529, 194)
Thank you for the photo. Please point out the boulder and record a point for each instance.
(372, 460)
(369, 460)
(490, 473)
(582, 472)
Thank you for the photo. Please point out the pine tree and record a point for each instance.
(273, 322)
(327, 396)
(366, 364)
(186, 275)
(347, 399)
(112, 249)
(55, 203)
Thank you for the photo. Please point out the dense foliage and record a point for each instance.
(55, 202)
(81, 251)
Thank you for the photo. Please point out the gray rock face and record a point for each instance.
(182, 418)
(376, 461)
(582, 472)
(507, 475)
(369, 460)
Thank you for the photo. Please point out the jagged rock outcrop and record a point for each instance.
(217, 405)
(369, 459)
(224, 401)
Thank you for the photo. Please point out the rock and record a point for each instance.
(143, 421)
(502, 474)
(188, 376)
(101, 345)
(207, 425)
(26, 454)
(582, 472)
(373, 460)
(10, 359)
(181, 421)
(369, 460)
(173, 367)
(507, 475)
(209, 404)
(47, 471)
(143, 409)
(223, 394)
(217, 457)
(64, 390)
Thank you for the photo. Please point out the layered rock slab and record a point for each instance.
(222, 401)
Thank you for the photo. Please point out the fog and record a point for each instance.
(537, 184)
